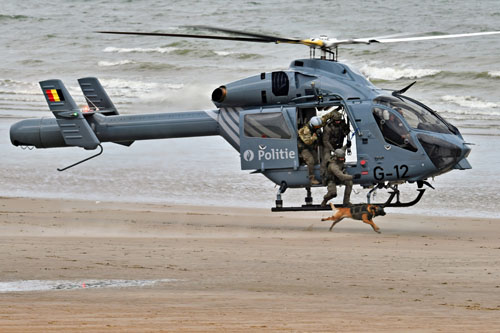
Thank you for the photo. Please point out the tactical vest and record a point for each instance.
(302, 145)
(336, 135)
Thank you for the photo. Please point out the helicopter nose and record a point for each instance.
(444, 152)
(463, 164)
(466, 150)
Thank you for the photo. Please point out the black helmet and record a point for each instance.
(337, 116)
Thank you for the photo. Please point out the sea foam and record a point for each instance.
(138, 85)
(391, 74)
(495, 74)
(470, 102)
(111, 49)
(44, 285)
(114, 63)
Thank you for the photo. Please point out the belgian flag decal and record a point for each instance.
(54, 95)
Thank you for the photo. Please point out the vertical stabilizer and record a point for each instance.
(57, 96)
(75, 129)
(96, 97)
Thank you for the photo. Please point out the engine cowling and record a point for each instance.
(258, 90)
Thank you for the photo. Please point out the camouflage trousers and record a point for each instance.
(309, 157)
(332, 190)
(324, 165)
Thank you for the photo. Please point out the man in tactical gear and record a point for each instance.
(309, 138)
(336, 175)
(334, 133)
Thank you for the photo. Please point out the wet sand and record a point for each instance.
(245, 270)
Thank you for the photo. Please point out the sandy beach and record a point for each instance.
(244, 270)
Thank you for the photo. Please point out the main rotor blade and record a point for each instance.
(240, 39)
(274, 39)
(253, 37)
(418, 38)
(245, 33)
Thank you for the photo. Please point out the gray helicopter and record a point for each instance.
(394, 139)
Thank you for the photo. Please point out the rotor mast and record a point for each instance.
(324, 54)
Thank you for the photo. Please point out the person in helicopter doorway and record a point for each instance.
(334, 133)
(336, 175)
(309, 138)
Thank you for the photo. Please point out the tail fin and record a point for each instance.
(99, 101)
(57, 96)
(97, 98)
(74, 127)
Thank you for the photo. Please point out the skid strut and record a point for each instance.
(308, 199)
(308, 206)
(281, 190)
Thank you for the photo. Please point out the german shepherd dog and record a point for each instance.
(363, 212)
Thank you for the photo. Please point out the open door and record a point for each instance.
(268, 139)
(351, 153)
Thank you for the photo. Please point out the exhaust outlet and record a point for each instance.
(219, 94)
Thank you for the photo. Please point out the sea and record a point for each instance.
(459, 78)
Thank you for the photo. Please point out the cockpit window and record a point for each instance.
(393, 129)
(415, 115)
(266, 125)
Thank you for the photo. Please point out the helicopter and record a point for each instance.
(393, 139)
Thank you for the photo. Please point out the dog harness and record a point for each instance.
(357, 212)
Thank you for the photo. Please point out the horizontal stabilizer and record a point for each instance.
(74, 127)
(96, 97)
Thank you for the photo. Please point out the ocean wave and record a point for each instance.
(111, 49)
(495, 74)
(237, 55)
(10, 82)
(223, 53)
(4, 17)
(459, 78)
(138, 86)
(484, 114)
(470, 102)
(10, 98)
(114, 63)
(15, 87)
(45, 285)
(392, 74)
(156, 66)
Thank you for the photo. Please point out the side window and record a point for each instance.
(393, 129)
(266, 125)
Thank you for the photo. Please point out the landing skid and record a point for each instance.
(304, 208)
(398, 203)
(395, 193)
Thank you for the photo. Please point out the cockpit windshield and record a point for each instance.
(415, 115)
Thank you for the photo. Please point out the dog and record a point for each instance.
(363, 212)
